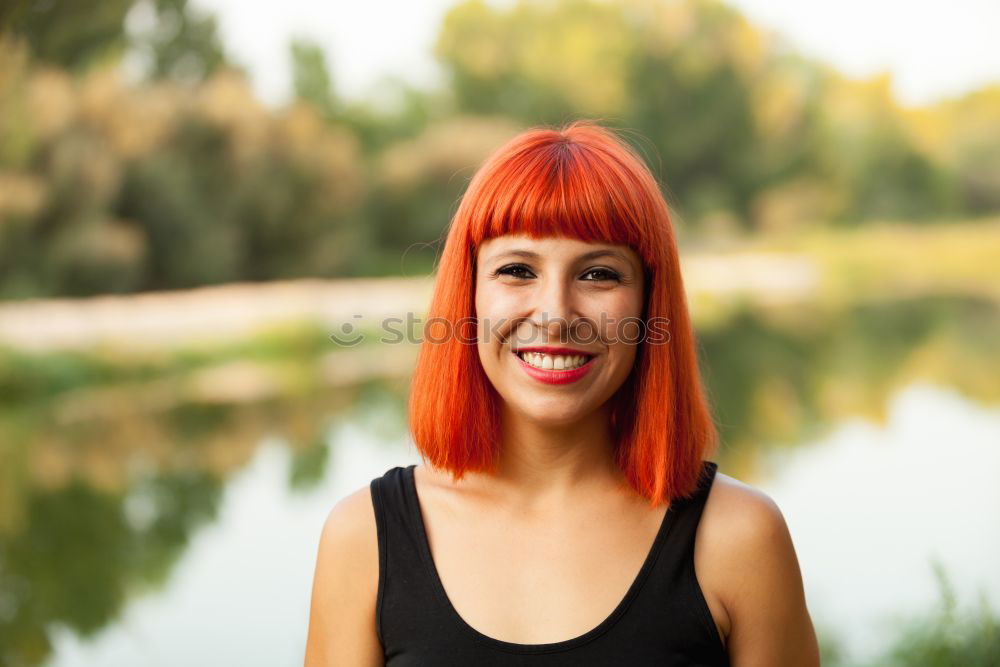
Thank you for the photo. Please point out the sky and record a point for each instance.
(933, 49)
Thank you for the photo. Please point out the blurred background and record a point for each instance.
(195, 194)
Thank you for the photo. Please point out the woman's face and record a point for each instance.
(558, 322)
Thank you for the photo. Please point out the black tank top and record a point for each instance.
(662, 620)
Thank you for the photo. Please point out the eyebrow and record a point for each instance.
(593, 254)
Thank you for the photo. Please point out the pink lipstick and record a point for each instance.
(554, 376)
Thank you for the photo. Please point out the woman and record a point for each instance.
(565, 513)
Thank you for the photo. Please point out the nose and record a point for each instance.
(554, 308)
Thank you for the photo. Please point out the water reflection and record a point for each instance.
(784, 376)
(873, 507)
(868, 506)
(168, 514)
(79, 555)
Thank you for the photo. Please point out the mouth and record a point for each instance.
(554, 366)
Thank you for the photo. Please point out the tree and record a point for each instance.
(181, 44)
(69, 33)
(311, 76)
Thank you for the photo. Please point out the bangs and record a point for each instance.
(561, 189)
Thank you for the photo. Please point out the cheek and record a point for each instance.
(626, 332)
(618, 318)
(495, 308)
(491, 316)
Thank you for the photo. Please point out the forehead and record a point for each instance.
(549, 246)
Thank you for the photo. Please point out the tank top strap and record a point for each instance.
(403, 574)
(394, 514)
(687, 513)
(672, 590)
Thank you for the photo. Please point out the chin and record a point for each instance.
(550, 414)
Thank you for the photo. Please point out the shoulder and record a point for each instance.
(348, 547)
(742, 515)
(746, 564)
(350, 525)
(741, 531)
(345, 582)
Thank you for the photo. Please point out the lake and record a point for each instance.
(143, 526)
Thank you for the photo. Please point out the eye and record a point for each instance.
(602, 275)
(515, 270)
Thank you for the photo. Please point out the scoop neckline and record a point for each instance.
(550, 647)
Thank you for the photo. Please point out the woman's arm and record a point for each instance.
(755, 573)
(345, 584)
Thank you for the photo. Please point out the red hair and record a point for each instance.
(580, 182)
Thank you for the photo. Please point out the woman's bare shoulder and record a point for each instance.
(735, 505)
(349, 538)
(352, 516)
(741, 525)
(345, 585)
(353, 511)
(747, 561)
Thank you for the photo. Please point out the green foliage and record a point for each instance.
(311, 76)
(77, 557)
(218, 190)
(178, 42)
(809, 368)
(186, 179)
(948, 636)
(28, 379)
(181, 45)
(693, 77)
(70, 33)
(180, 196)
(831, 646)
(743, 133)
(972, 146)
(309, 466)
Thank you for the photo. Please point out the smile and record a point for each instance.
(550, 368)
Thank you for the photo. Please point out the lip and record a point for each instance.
(554, 376)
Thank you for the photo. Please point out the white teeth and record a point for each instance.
(553, 362)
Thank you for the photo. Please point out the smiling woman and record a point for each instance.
(566, 512)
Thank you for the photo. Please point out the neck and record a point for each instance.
(541, 464)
